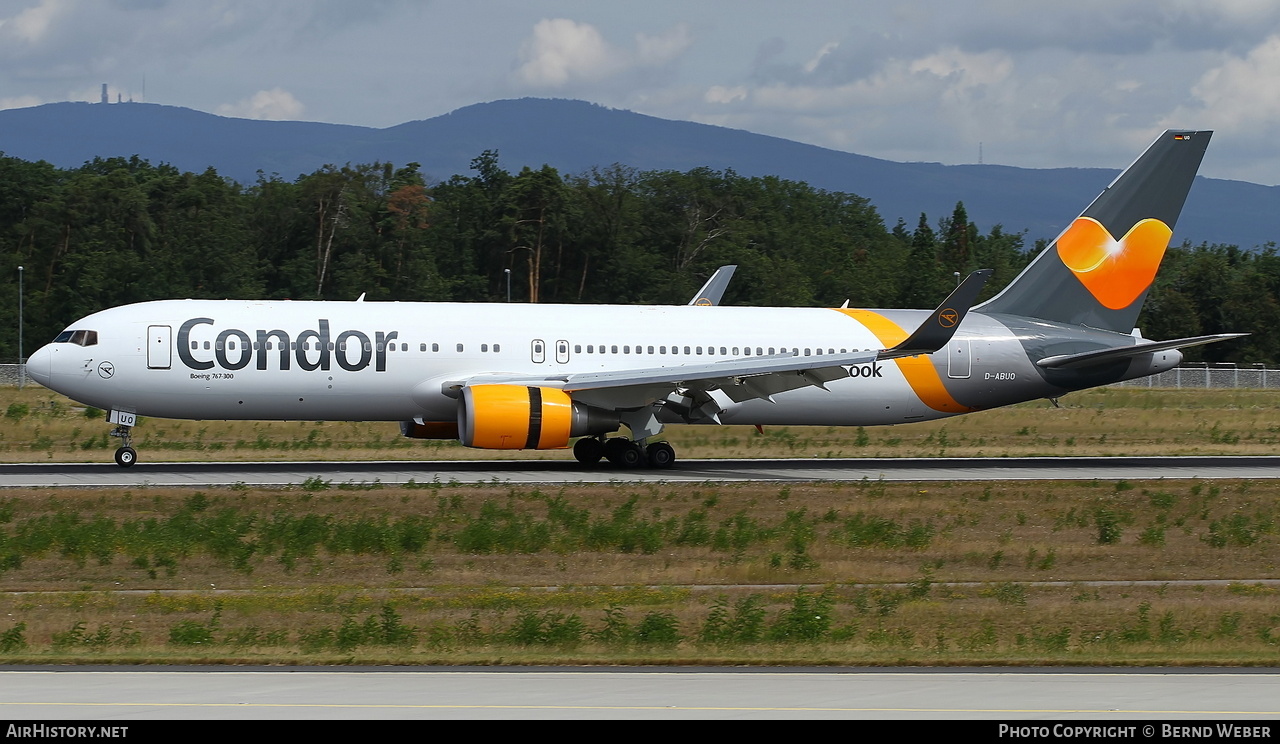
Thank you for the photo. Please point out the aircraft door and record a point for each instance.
(538, 351)
(959, 358)
(159, 347)
(562, 352)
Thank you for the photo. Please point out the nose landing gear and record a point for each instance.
(126, 455)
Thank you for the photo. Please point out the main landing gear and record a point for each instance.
(126, 456)
(624, 452)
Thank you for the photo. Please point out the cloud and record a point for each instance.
(725, 94)
(1241, 95)
(939, 105)
(275, 105)
(653, 51)
(562, 51)
(945, 74)
(826, 49)
(31, 25)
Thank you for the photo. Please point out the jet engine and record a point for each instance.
(519, 417)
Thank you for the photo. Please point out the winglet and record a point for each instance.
(713, 290)
(941, 325)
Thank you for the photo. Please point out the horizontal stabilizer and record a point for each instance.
(1122, 352)
(936, 332)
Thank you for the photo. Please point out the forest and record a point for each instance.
(116, 231)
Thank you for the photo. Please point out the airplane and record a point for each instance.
(541, 376)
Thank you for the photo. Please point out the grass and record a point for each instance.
(40, 425)
(1139, 573)
(862, 573)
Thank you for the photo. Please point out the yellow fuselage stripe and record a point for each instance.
(918, 371)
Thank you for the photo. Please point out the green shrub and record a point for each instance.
(11, 640)
(808, 618)
(190, 633)
(1108, 524)
(657, 629)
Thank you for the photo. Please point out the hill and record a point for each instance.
(574, 136)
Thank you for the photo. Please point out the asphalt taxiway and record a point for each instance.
(205, 474)
(1250, 697)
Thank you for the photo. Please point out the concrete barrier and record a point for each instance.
(10, 373)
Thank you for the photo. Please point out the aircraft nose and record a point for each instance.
(38, 365)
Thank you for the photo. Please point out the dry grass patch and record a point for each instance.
(626, 534)
(869, 572)
(43, 426)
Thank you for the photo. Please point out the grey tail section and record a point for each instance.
(1154, 187)
(712, 292)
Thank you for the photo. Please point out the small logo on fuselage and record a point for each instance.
(106, 370)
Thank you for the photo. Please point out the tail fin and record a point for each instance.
(1097, 273)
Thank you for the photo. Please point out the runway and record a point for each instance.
(1249, 697)
(43, 475)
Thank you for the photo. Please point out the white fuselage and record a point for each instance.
(296, 360)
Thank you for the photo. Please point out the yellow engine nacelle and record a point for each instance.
(520, 417)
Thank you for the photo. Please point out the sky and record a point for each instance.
(1028, 83)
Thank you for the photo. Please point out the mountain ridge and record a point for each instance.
(574, 136)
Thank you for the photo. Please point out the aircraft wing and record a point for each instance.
(747, 378)
(712, 292)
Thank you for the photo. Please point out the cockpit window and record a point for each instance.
(79, 338)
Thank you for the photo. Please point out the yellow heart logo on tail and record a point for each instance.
(1116, 272)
